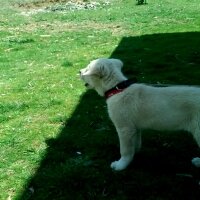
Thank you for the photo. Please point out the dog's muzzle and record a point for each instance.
(81, 77)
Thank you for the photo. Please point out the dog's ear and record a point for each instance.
(116, 62)
(103, 69)
(97, 68)
(100, 67)
(93, 71)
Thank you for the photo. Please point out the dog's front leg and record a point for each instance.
(130, 141)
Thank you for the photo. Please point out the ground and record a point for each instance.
(56, 140)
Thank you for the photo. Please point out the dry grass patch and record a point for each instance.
(60, 27)
(37, 3)
(34, 7)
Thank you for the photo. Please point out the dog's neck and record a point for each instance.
(118, 88)
(108, 82)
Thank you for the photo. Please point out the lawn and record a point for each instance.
(56, 140)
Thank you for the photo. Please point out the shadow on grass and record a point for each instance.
(76, 164)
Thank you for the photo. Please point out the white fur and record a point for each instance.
(143, 107)
(196, 162)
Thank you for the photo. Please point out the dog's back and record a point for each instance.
(160, 108)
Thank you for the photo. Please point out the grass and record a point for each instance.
(56, 140)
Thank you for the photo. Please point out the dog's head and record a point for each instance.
(102, 74)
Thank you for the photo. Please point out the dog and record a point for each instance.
(136, 106)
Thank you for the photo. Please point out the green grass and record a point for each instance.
(56, 140)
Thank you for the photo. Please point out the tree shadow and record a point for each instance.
(76, 163)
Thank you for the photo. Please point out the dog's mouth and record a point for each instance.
(88, 86)
(81, 76)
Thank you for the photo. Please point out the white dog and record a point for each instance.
(133, 106)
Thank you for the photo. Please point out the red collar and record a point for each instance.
(120, 87)
(112, 92)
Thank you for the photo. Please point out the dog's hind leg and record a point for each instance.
(196, 135)
(195, 130)
(138, 141)
(129, 141)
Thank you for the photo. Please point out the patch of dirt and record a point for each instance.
(38, 3)
(38, 6)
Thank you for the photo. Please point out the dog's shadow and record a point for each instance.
(76, 163)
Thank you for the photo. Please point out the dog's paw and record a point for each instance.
(120, 164)
(117, 166)
(196, 162)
